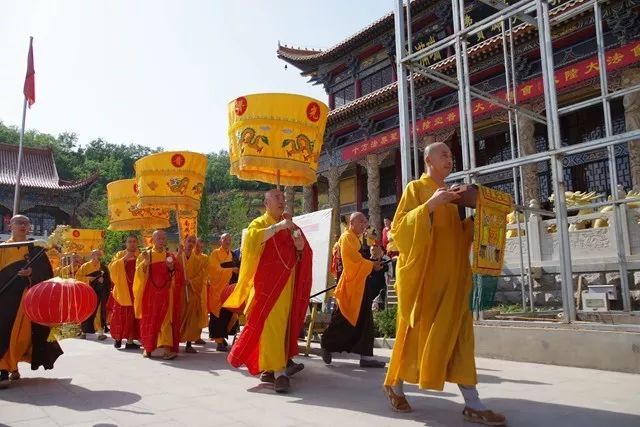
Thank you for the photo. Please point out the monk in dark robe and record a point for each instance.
(351, 328)
(20, 339)
(96, 275)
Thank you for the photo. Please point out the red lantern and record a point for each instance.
(60, 301)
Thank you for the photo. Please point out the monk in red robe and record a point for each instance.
(124, 324)
(275, 283)
(157, 293)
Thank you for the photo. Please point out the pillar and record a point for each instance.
(307, 199)
(526, 128)
(631, 103)
(372, 165)
(289, 198)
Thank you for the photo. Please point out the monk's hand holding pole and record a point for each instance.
(298, 241)
(442, 196)
(25, 272)
(377, 265)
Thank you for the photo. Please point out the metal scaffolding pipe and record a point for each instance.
(403, 102)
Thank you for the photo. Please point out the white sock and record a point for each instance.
(398, 388)
(471, 398)
(277, 374)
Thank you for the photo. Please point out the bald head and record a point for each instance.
(358, 223)
(225, 241)
(274, 202)
(438, 161)
(96, 254)
(199, 246)
(20, 225)
(159, 239)
(190, 243)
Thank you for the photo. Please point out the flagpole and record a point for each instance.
(16, 194)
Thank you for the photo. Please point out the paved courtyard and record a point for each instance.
(95, 385)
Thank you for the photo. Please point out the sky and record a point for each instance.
(160, 73)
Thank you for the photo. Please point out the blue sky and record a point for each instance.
(160, 73)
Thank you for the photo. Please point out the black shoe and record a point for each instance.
(371, 363)
(293, 368)
(222, 346)
(4, 379)
(282, 384)
(132, 346)
(118, 344)
(267, 377)
(326, 356)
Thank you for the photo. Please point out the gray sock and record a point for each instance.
(471, 398)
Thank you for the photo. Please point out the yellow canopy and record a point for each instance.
(82, 240)
(124, 212)
(171, 179)
(276, 137)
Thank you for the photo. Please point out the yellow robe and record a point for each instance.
(67, 272)
(20, 343)
(191, 326)
(273, 355)
(204, 321)
(83, 275)
(219, 278)
(165, 337)
(434, 338)
(120, 291)
(355, 270)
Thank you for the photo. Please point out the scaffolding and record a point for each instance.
(537, 13)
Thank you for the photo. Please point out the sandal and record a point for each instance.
(488, 418)
(170, 355)
(398, 403)
(14, 375)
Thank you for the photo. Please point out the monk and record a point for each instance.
(276, 271)
(122, 268)
(196, 269)
(157, 297)
(199, 250)
(97, 276)
(223, 272)
(21, 340)
(434, 338)
(351, 327)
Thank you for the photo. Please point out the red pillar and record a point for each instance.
(358, 88)
(332, 101)
(394, 72)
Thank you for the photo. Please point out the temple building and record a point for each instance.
(45, 198)
(360, 163)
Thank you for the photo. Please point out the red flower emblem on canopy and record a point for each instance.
(135, 188)
(76, 233)
(313, 111)
(178, 160)
(241, 105)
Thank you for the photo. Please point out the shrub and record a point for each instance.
(385, 322)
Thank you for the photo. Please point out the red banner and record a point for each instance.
(565, 77)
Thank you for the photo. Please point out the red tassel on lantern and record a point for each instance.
(59, 301)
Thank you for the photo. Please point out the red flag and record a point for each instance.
(30, 79)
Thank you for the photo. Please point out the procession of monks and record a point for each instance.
(160, 298)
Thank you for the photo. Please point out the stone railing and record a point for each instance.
(592, 249)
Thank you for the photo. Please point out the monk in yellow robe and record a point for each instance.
(351, 327)
(434, 337)
(20, 339)
(223, 272)
(158, 294)
(196, 272)
(97, 276)
(122, 269)
(276, 271)
(199, 250)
